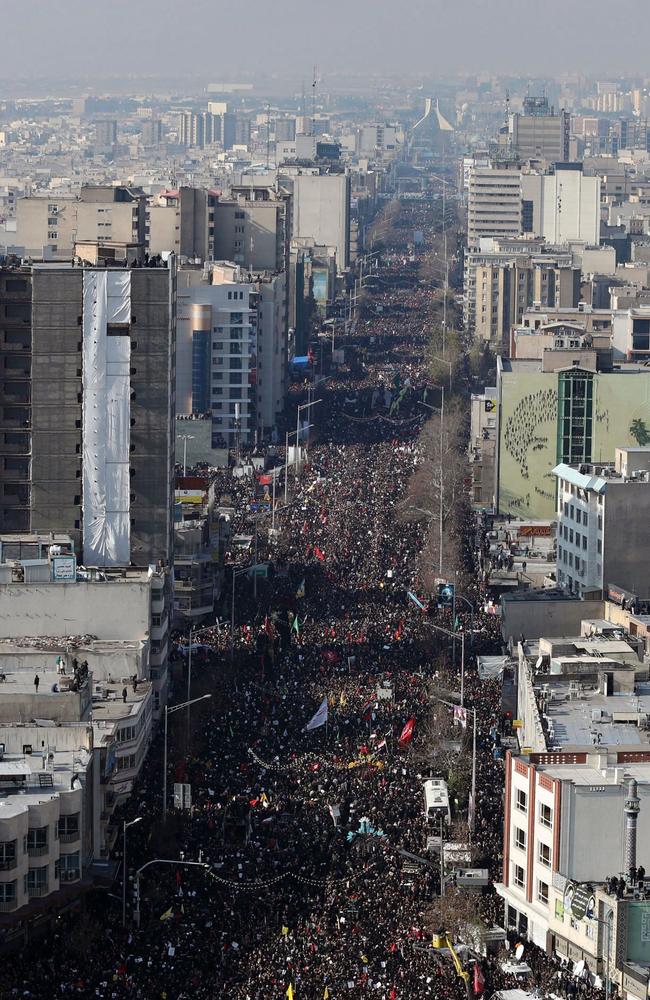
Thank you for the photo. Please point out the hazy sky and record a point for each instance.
(79, 38)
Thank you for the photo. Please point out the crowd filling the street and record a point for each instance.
(342, 690)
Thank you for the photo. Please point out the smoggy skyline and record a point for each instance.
(64, 39)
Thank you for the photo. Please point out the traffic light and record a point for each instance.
(446, 595)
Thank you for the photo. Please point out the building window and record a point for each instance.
(37, 841)
(599, 546)
(544, 855)
(66, 869)
(575, 409)
(7, 855)
(7, 896)
(521, 801)
(585, 518)
(542, 892)
(36, 881)
(518, 876)
(126, 763)
(546, 816)
(69, 828)
(520, 839)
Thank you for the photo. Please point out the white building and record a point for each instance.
(603, 525)
(232, 350)
(562, 206)
(582, 740)
(494, 204)
(50, 807)
(44, 595)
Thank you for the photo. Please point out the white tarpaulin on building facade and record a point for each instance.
(106, 417)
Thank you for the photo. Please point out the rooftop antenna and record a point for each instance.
(507, 110)
(313, 101)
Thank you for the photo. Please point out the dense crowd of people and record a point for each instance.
(297, 886)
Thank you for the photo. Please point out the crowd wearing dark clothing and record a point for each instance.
(303, 887)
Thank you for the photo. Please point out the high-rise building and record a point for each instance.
(50, 226)
(539, 133)
(232, 350)
(593, 502)
(494, 204)
(87, 421)
(105, 134)
(321, 211)
(506, 276)
(252, 227)
(562, 206)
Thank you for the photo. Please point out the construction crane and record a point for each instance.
(443, 940)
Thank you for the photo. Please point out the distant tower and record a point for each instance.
(631, 810)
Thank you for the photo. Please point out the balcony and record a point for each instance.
(9, 865)
(69, 838)
(8, 905)
(37, 890)
(37, 852)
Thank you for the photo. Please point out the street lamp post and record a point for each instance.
(442, 429)
(178, 862)
(451, 705)
(168, 712)
(444, 361)
(186, 438)
(303, 406)
(125, 827)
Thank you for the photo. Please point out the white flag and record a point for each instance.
(319, 719)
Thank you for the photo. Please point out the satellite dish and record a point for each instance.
(579, 967)
(519, 952)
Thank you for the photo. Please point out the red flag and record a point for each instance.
(479, 980)
(265, 480)
(407, 733)
(310, 356)
(319, 553)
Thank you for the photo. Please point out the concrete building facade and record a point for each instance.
(494, 204)
(51, 376)
(603, 525)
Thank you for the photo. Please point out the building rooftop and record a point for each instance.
(594, 719)
(113, 706)
(29, 778)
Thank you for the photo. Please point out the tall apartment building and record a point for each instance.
(50, 226)
(252, 227)
(87, 375)
(505, 290)
(539, 133)
(562, 206)
(105, 134)
(232, 350)
(321, 211)
(507, 276)
(181, 221)
(604, 526)
(494, 204)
